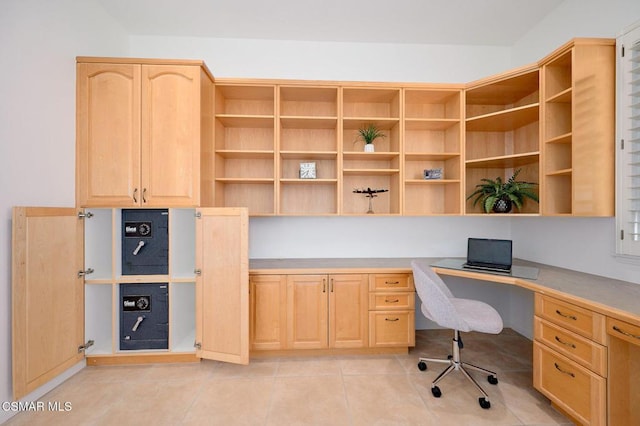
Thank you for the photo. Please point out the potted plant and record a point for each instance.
(499, 196)
(368, 134)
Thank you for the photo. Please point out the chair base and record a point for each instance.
(456, 364)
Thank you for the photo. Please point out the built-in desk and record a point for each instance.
(586, 327)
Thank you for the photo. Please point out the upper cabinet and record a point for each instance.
(144, 130)
(502, 131)
(578, 127)
(161, 133)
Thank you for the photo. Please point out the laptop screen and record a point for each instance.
(482, 250)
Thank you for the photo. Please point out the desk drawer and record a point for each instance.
(578, 391)
(623, 330)
(391, 328)
(575, 318)
(577, 348)
(387, 301)
(391, 282)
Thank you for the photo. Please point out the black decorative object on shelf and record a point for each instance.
(370, 194)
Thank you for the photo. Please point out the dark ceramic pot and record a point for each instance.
(503, 205)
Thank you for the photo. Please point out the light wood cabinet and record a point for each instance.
(578, 104)
(391, 310)
(142, 129)
(61, 304)
(268, 315)
(624, 372)
(433, 140)
(326, 311)
(245, 137)
(570, 358)
(502, 131)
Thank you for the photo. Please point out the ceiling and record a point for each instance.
(470, 22)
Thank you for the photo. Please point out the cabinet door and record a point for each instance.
(222, 285)
(348, 311)
(307, 311)
(47, 295)
(170, 135)
(268, 312)
(108, 135)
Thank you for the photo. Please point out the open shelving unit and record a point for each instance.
(308, 132)
(245, 136)
(376, 170)
(432, 140)
(502, 131)
(578, 105)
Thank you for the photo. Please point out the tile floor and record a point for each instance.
(337, 390)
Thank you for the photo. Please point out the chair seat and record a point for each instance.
(472, 315)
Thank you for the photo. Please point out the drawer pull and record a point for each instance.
(568, 373)
(626, 333)
(391, 301)
(571, 345)
(572, 317)
(392, 282)
(392, 319)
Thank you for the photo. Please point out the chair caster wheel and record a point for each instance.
(449, 356)
(422, 366)
(492, 379)
(436, 392)
(484, 403)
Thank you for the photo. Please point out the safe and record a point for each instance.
(145, 241)
(144, 316)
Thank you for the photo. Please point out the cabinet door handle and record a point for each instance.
(331, 285)
(571, 317)
(571, 345)
(135, 195)
(391, 301)
(626, 333)
(324, 285)
(144, 195)
(568, 373)
(392, 282)
(392, 319)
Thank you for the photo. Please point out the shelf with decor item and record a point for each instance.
(577, 133)
(308, 150)
(245, 144)
(432, 142)
(502, 131)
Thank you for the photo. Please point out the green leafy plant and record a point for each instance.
(512, 191)
(369, 133)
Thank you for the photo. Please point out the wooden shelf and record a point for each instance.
(237, 154)
(354, 123)
(309, 155)
(563, 172)
(506, 161)
(430, 156)
(561, 139)
(308, 181)
(310, 122)
(251, 121)
(502, 121)
(370, 172)
(430, 123)
(562, 97)
(245, 180)
(431, 181)
(370, 156)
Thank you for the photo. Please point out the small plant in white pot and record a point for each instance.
(368, 134)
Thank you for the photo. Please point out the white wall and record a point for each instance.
(39, 42)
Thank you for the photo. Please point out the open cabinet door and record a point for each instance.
(222, 284)
(47, 295)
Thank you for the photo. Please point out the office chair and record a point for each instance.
(440, 306)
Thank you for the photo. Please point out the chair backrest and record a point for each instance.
(436, 298)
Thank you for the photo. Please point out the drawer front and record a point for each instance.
(579, 320)
(578, 391)
(399, 282)
(386, 301)
(624, 330)
(577, 348)
(391, 328)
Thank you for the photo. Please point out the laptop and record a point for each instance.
(488, 255)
